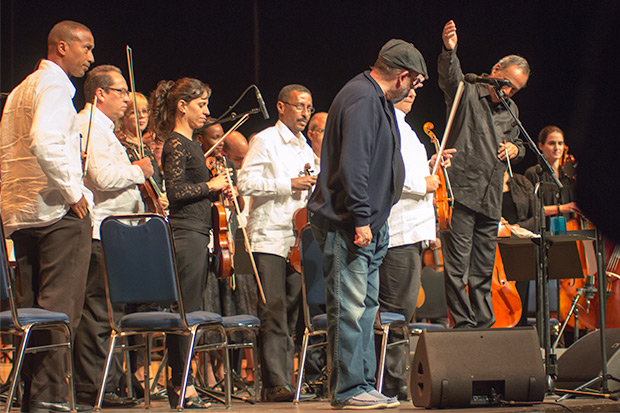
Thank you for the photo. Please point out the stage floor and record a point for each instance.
(574, 405)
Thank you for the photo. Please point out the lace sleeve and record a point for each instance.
(180, 188)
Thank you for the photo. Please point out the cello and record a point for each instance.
(507, 307)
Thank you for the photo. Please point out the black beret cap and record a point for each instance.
(401, 54)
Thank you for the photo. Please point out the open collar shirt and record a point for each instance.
(110, 175)
(412, 218)
(274, 157)
(40, 151)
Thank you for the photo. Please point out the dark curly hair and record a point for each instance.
(164, 99)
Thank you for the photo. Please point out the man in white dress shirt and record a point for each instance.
(273, 176)
(411, 222)
(113, 179)
(45, 204)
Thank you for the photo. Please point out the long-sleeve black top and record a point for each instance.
(551, 194)
(479, 127)
(186, 177)
(522, 196)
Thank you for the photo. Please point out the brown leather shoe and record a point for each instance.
(278, 394)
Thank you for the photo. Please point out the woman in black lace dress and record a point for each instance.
(177, 108)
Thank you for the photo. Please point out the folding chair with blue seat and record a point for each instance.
(433, 314)
(21, 322)
(313, 295)
(385, 323)
(138, 256)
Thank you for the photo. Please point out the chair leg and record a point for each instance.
(147, 370)
(188, 363)
(106, 370)
(71, 367)
(302, 366)
(257, 372)
(384, 342)
(18, 360)
(227, 374)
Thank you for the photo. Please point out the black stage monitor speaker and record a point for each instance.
(461, 368)
(582, 361)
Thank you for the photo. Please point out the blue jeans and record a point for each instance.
(352, 290)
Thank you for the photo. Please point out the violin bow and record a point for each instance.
(132, 85)
(248, 247)
(446, 132)
(87, 145)
(231, 130)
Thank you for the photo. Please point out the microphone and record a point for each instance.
(473, 78)
(261, 103)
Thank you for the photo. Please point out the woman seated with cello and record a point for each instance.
(177, 109)
(551, 144)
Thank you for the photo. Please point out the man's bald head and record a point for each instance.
(66, 31)
(235, 148)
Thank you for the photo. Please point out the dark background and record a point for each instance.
(572, 47)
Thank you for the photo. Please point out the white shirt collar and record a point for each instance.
(52, 66)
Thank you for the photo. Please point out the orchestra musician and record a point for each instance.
(316, 131)
(484, 135)
(45, 204)
(126, 133)
(113, 179)
(177, 109)
(411, 225)
(361, 177)
(556, 202)
(235, 148)
(273, 176)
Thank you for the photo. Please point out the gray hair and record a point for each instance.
(514, 60)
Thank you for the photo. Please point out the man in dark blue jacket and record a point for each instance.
(361, 178)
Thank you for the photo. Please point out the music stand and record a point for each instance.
(563, 262)
(519, 255)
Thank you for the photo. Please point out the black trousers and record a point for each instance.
(469, 255)
(93, 335)
(399, 285)
(278, 317)
(52, 263)
(192, 257)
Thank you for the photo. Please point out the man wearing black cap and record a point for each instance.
(484, 135)
(361, 178)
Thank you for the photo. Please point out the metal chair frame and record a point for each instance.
(171, 323)
(22, 322)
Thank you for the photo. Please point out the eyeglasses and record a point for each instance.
(122, 92)
(299, 107)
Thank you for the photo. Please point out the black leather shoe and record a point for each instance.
(278, 394)
(114, 400)
(45, 407)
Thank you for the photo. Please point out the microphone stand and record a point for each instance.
(542, 275)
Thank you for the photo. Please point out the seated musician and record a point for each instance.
(177, 108)
(551, 144)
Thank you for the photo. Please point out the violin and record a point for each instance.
(507, 307)
(223, 241)
(444, 199)
(301, 217)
